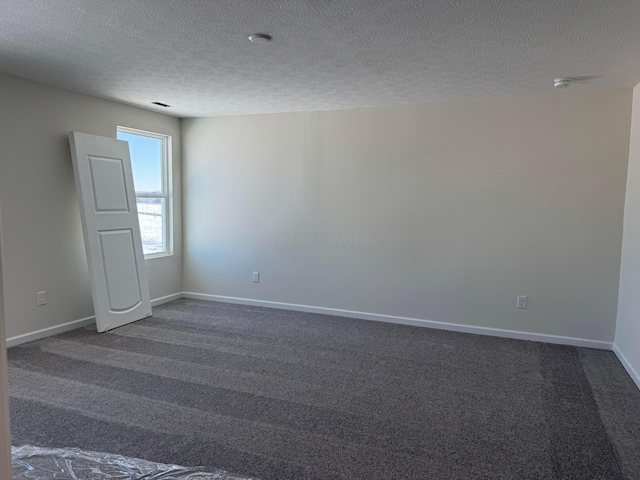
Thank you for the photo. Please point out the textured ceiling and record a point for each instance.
(325, 54)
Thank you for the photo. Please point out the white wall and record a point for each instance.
(628, 323)
(5, 439)
(443, 212)
(43, 246)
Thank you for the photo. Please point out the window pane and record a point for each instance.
(146, 162)
(149, 159)
(150, 213)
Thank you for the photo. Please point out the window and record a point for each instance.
(151, 165)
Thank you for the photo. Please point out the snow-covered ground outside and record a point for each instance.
(150, 216)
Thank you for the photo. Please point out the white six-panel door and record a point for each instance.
(106, 195)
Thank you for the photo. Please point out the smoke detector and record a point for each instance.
(562, 82)
(259, 38)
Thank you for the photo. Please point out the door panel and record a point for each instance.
(120, 272)
(107, 181)
(106, 195)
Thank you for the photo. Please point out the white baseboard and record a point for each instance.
(166, 299)
(83, 322)
(627, 366)
(47, 332)
(494, 332)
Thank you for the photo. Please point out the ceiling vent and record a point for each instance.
(160, 104)
(562, 82)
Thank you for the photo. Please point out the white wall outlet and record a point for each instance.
(256, 276)
(522, 301)
(42, 298)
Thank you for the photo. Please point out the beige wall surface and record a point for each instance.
(43, 245)
(443, 212)
(628, 323)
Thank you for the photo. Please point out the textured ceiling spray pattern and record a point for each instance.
(194, 55)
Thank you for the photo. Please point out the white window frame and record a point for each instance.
(167, 190)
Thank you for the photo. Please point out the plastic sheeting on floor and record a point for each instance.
(35, 463)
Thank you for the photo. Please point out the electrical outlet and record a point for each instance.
(42, 298)
(522, 301)
(256, 276)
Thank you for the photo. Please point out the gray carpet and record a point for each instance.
(286, 395)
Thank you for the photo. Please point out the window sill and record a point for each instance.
(151, 256)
